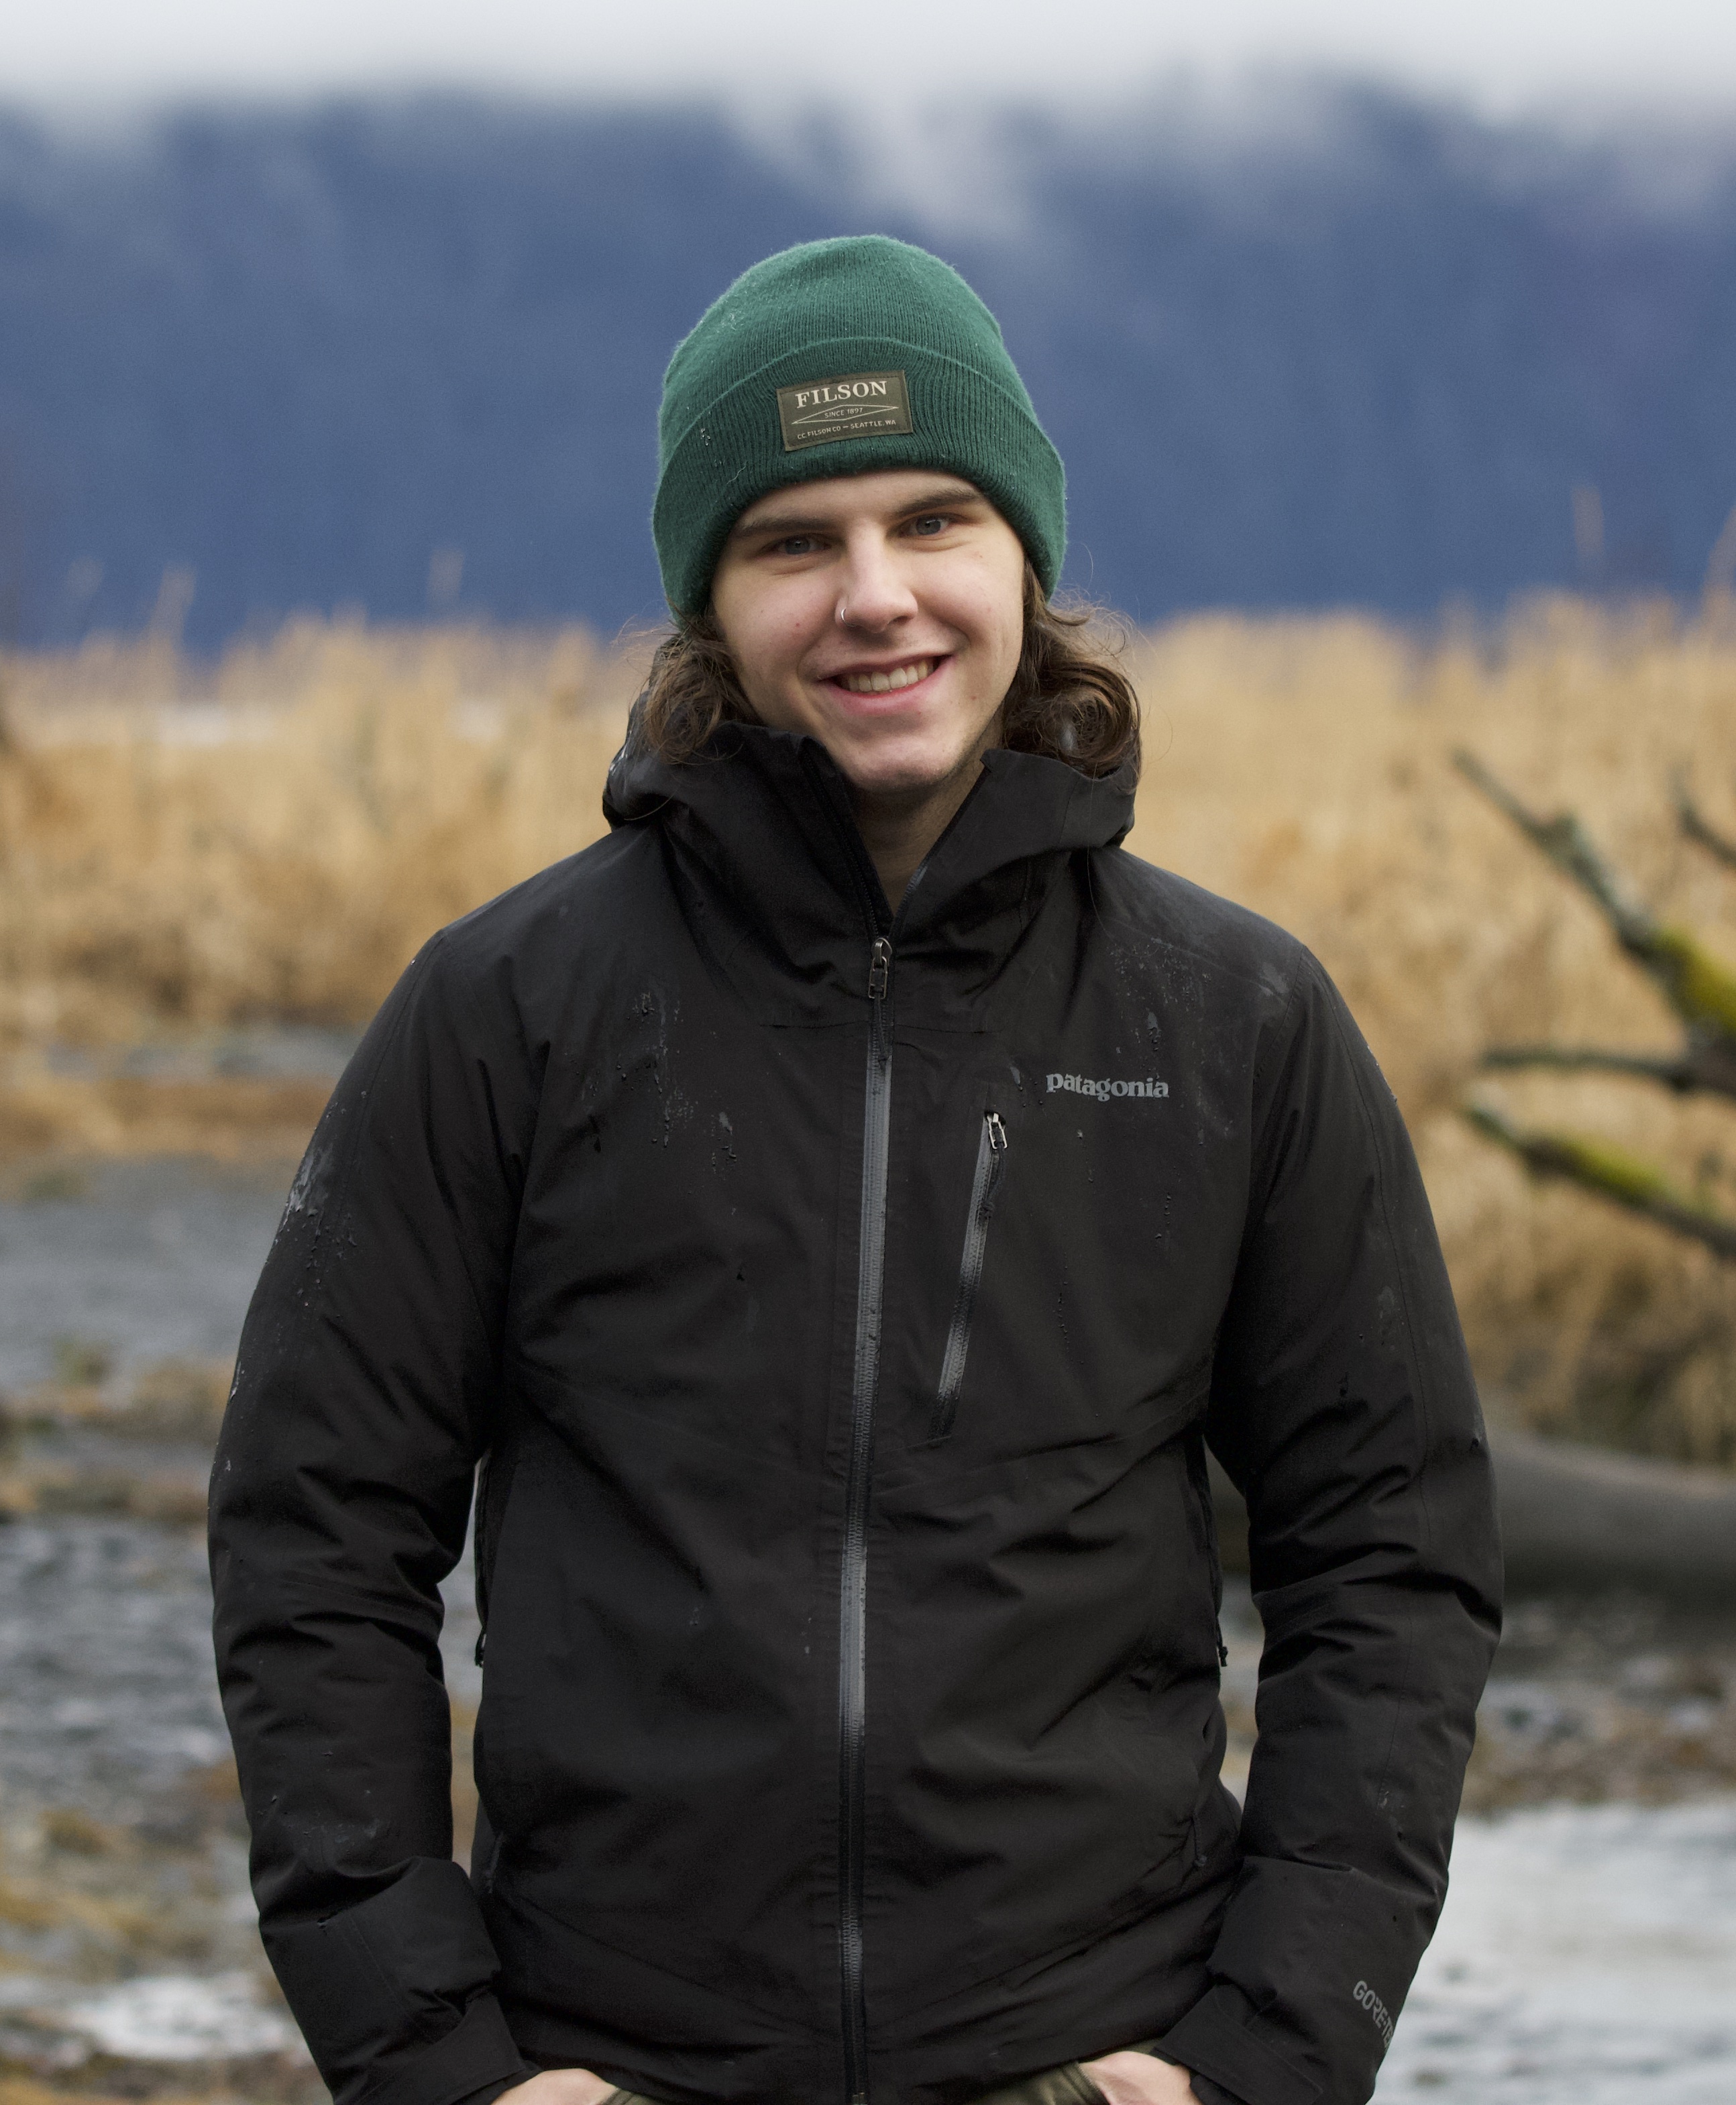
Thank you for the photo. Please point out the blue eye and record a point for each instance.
(936, 523)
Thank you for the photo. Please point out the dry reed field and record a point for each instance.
(188, 849)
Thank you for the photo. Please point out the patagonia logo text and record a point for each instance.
(1375, 2009)
(1089, 1085)
(850, 405)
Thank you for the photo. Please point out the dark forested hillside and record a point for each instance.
(405, 356)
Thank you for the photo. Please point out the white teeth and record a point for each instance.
(886, 683)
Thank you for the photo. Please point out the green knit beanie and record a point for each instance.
(844, 358)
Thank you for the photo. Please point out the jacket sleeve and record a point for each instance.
(1343, 1408)
(363, 1395)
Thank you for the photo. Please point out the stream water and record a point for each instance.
(1587, 1952)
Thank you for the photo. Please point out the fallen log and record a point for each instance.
(1576, 1519)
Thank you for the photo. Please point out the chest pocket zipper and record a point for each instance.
(991, 1165)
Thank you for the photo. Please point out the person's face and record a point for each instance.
(884, 614)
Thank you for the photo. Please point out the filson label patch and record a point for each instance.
(850, 405)
(1090, 1085)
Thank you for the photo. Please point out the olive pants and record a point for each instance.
(1067, 2084)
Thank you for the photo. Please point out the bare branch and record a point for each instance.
(1720, 565)
(1698, 987)
(1611, 1174)
(1696, 827)
(1571, 849)
(1707, 1065)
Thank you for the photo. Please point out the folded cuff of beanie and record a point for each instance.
(963, 422)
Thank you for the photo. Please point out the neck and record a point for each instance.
(899, 826)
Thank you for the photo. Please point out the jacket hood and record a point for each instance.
(767, 815)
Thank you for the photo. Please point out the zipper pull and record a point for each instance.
(997, 1133)
(880, 970)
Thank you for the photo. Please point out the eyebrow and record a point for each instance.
(793, 522)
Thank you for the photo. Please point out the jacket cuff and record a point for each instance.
(1216, 2040)
(1207, 2092)
(478, 2058)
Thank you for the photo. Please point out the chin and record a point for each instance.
(899, 767)
(896, 776)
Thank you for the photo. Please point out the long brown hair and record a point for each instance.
(1069, 700)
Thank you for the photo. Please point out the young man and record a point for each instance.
(837, 1211)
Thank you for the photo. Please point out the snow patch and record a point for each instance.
(181, 2017)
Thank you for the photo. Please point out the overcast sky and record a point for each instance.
(1504, 54)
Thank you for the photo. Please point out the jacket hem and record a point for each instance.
(1212, 2039)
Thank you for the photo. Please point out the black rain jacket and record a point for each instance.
(840, 1306)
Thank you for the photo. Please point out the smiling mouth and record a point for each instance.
(887, 682)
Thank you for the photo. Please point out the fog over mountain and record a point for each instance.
(1320, 345)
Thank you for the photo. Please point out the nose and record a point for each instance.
(872, 592)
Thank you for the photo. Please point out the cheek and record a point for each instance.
(998, 621)
(764, 640)
(788, 627)
(992, 609)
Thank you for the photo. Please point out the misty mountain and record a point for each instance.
(1335, 346)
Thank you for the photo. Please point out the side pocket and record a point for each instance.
(494, 1477)
(985, 1186)
(1200, 1477)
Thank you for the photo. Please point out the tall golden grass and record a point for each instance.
(267, 840)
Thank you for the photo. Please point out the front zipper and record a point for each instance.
(877, 1119)
(991, 1164)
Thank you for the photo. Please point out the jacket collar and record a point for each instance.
(779, 886)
